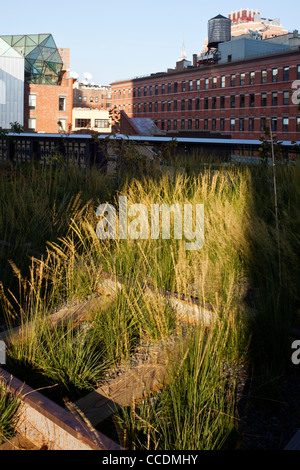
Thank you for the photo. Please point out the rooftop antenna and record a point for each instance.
(87, 76)
(74, 75)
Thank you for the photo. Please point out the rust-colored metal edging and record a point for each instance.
(50, 426)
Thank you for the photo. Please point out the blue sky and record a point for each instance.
(119, 39)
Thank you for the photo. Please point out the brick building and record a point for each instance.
(91, 96)
(231, 91)
(48, 92)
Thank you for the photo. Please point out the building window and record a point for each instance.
(61, 125)
(91, 101)
(252, 78)
(32, 101)
(232, 125)
(175, 124)
(145, 107)
(102, 123)
(274, 124)
(197, 104)
(150, 90)
(198, 84)
(129, 93)
(139, 91)
(191, 85)
(175, 105)
(242, 79)
(264, 100)
(162, 106)
(214, 102)
(197, 124)
(213, 124)
(182, 105)
(156, 89)
(285, 125)
(222, 102)
(168, 125)
(232, 101)
(182, 124)
(206, 86)
(145, 91)
(163, 88)
(286, 74)
(251, 124)
(175, 87)
(62, 103)
(82, 123)
(263, 124)
(223, 79)
(169, 105)
(84, 98)
(286, 98)
(215, 82)
(156, 106)
(274, 98)
(233, 79)
(96, 99)
(32, 124)
(274, 75)
(190, 124)
(222, 125)
(80, 98)
(252, 100)
(242, 124)
(169, 87)
(183, 86)
(298, 124)
(190, 104)
(206, 124)
(298, 72)
(162, 125)
(242, 101)
(133, 93)
(264, 76)
(150, 107)
(206, 103)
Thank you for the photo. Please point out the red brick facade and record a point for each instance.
(200, 99)
(47, 105)
(91, 96)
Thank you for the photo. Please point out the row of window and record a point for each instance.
(85, 123)
(92, 100)
(214, 82)
(220, 124)
(216, 102)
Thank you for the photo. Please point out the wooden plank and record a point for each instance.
(45, 423)
(75, 314)
(133, 385)
(19, 442)
(188, 310)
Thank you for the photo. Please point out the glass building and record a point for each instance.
(43, 63)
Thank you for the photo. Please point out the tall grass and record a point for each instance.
(235, 274)
(36, 206)
(9, 408)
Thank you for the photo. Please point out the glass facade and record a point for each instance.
(43, 63)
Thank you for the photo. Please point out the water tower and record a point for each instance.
(219, 30)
